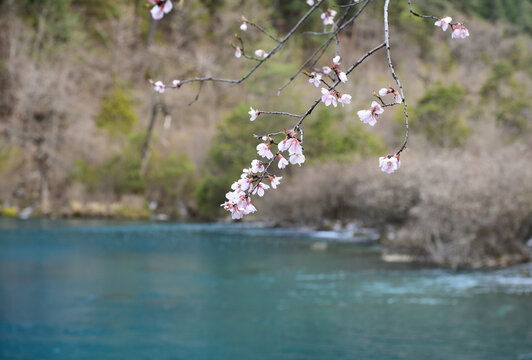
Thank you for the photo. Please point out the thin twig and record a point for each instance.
(390, 65)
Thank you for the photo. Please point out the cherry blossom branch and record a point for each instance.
(250, 182)
(420, 15)
(297, 126)
(268, 55)
(392, 70)
(458, 30)
(323, 46)
(278, 113)
(261, 29)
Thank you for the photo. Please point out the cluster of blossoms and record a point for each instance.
(160, 87)
(458, 31)
(160, 8)
(331, 97)
(371, 115)
(251, 181)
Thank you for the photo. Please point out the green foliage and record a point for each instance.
(170, 177)
(55, 19)
(438, 115)
(326, 138)
(511, 107)
(421, 32)
(501, 72)
(117, 113)
(9, 158)
(512, 114)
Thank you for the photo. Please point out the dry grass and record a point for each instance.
(462, 208)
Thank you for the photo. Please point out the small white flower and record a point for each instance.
(310, 2)
(297, 159)
(260, 53)
(257, 166)
(326, 70)
(384, 91)
(344, 99)
(275, 180)
(370, 116)
(444, 23)
(243, 26)
(264, 150)
(328, 97)
(259, 189)
(336, 61)
(328, 17)
(176, 83)
(159, 87)
(342, 76)
(398, 99)
(315, 79)
(238, 52)
(459, 32)
(161, 7)
(253, 114)
(389, 164)
(282, 162)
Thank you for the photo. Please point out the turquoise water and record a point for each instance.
(101, 290)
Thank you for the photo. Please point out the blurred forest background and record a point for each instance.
(76, 109)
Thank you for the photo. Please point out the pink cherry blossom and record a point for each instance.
(315, 79)
(342, 76)
(253, 114)
(161, 7)
(284, 144)
(384, 91)
(459, 32)
(264, 150)
(297, 159)
(260, 53)
(344, 99)
(370, 116)
(176, 83)
(275, 180)
(328, 97)
(245, 173)
(295, 147)
(291, 144)
(259, 189)
(248, 206)
(257, 166)
(326, 70)
(238, 52)
(159, 87)
(336, 61)
(328, 17)
(282, 162)
(444, 23)
(242, 184)
(397, 97)
(236, 212)
(389, 164)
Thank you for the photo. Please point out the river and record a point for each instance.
(119, 290)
